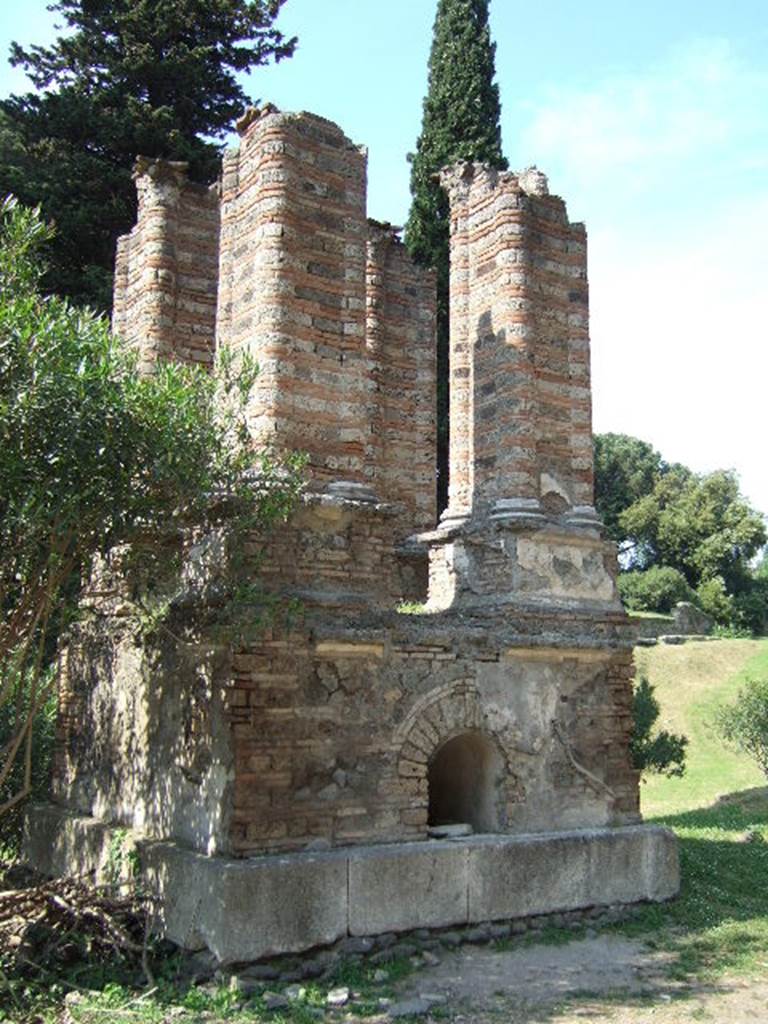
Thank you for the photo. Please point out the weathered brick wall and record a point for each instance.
(293, 286)
(166, 269)
(333, 735)
(330, 731)
(400, 335)
(520, 393)
(143, 738)
(279, 261)
(335, 552)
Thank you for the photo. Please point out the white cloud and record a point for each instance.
(636, 130)
(667, 168)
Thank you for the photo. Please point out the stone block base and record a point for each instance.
(245, 910)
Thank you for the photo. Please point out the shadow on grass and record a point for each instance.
(720, 920)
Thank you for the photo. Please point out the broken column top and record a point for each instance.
(521, 444)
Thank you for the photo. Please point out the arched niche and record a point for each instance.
(465, 777)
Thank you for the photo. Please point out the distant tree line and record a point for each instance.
(682, 536)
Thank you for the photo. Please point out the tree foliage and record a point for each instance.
(92, 455)
(461, 121)
(700, 525)
(657, 589)
(664, 752)
(744, 724)
(129, 77)
(681, 532)
(626, 469)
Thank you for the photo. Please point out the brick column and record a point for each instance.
(493, 462)
(461, 363)
(159, 185)
(166, 268)
(520, 393)
(292, 273)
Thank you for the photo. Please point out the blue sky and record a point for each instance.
(651, 121)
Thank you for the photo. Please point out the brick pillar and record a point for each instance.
(400, 337)
(292, 288)
(166, 268)
(520, 524)
(120, 301)
(461, 365)
(159, 185)
(493, 468)
(520, 393)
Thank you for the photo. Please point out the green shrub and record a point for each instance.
(663, 753)
(657, 589)
(744, 724)
(95, 456)
(713, 598)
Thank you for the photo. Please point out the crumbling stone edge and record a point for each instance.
(478, 888)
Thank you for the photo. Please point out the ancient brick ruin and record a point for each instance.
(504, 706)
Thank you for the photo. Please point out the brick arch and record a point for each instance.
(439, 716)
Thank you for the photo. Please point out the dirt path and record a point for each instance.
(601, 979)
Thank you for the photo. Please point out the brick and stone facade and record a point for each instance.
(505, 705)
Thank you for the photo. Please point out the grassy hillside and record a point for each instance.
(719, 811)
(691, 680)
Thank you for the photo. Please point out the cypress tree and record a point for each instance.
(461, 122)
(129, 77)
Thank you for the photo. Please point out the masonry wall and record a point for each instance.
(400, 337)
(520, 396)
(143, 738)
(335, 553)
(280, 262)
(293, 286)
(333, 737)
(329, 728)
(166, 269)
(325, 726)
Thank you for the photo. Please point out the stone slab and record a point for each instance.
(245, 910)
(401, 886)
(60, 842)
(248, 909)
(521, 876)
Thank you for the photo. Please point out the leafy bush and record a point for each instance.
(95, 455)
(713, 598)
(663, 753)
(657, 589)
(744, 724)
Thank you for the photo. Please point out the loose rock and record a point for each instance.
(337, 997)
(276, 1001)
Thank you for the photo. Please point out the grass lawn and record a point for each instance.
(719, 811)
(690, 681)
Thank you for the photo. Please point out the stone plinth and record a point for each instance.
(246, 910)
